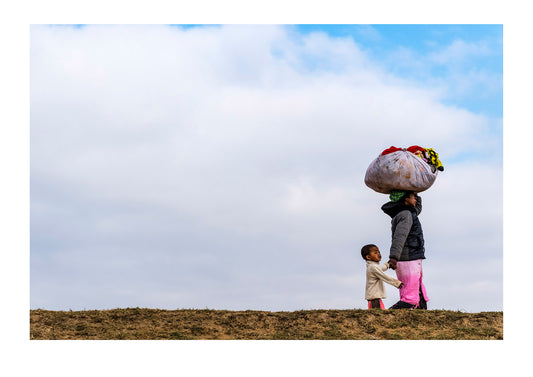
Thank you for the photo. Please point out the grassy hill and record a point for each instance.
(137, 323)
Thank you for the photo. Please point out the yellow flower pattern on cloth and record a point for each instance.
(434, 159)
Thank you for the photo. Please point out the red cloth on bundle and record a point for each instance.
(416, 148)
(390, 150)
(418, 151)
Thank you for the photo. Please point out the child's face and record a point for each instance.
(374, 255)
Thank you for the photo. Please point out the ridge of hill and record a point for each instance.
(185, 324)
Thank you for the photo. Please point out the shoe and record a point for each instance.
(402, 305)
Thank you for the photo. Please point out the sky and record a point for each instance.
(222, 166)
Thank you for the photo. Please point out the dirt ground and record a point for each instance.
(137, 323)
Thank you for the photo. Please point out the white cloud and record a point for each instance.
(232, 157)
(460, 50)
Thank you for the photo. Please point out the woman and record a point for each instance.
(407, 248)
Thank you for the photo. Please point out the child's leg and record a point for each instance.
(409, 273)
(375, 304)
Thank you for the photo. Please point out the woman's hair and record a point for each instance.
(365, 250)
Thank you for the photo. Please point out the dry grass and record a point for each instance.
(136, 323)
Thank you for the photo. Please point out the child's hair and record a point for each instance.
(365, 250)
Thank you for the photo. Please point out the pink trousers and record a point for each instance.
(410, 274)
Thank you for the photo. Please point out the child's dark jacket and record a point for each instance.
(407, 236)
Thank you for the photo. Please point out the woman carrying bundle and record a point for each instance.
(407, 248)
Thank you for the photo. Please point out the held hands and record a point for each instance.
(401, 285)
(392, 263)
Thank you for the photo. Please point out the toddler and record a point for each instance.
(375, 290)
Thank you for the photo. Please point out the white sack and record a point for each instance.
(400, 170)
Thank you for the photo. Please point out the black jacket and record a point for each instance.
(407, 236)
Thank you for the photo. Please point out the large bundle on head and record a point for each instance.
(412, 169)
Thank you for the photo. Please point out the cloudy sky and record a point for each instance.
(223, 166)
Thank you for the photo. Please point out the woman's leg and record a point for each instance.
(410, 274)
(423, 297)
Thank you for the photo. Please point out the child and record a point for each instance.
(375, 290)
